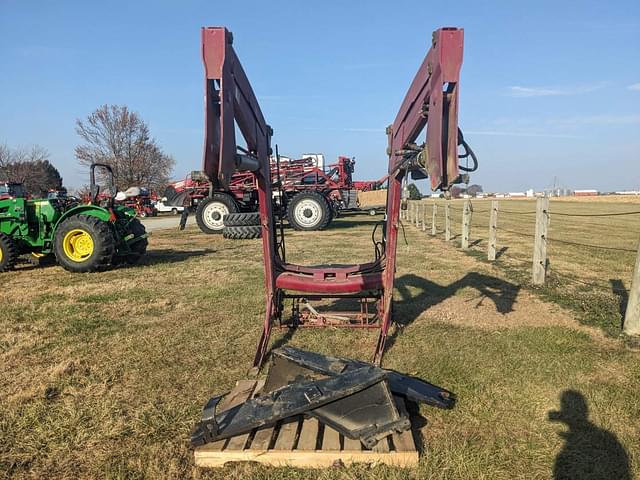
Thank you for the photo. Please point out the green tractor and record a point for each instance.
(83, 238)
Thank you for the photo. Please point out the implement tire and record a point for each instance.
(242, 233)
(84, 243)
(242, 219)
(309, 211)
(8, 253)
(211, 212)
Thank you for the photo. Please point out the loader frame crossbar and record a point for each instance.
(431, 102)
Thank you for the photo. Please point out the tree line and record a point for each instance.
(31, 167)
(112, 135)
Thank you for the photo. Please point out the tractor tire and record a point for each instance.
(309, 211)
(8, 253)
(139, 248)
(84, 244)
(242, 219)
(211, 212)
(242, 233)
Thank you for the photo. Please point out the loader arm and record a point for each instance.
(431, 102)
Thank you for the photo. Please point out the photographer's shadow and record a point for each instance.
(589, 452)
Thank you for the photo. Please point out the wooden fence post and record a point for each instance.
(631, 324)
(417, 214)
(466, 224)
(433, 219)
(493, 231)
(447, 221)
(540, 241)
(424, 217)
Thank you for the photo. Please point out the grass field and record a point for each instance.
(103, 375)
(591, 280)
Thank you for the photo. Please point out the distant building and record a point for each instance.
(585, 193)
(529, 193)
(628, 192)
(516, 194)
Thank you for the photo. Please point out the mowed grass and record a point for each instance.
(593, 282)
(103, 375)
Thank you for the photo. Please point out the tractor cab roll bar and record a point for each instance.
(94, 188)
(431, 102)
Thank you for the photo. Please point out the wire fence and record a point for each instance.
(582, 243)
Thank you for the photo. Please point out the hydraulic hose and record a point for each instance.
(468, 152)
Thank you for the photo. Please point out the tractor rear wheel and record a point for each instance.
(8, 253)
(139, 247)
(84, 244)
(211, 211)
(309, 211)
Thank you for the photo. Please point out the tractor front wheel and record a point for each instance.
(84, 244)
(8, 253)
(211, 211)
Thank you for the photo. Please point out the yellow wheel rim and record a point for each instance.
(1, 254)
(78, 245)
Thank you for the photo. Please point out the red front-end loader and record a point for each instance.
(431, 104)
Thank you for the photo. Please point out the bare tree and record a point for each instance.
(120, 138)
(5, 156)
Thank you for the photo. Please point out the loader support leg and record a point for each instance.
(263, 344)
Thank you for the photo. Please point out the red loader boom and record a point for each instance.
(431, 102)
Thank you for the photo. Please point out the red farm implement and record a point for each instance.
(310, 194)
(431, 103)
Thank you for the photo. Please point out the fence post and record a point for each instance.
(540, 241)
(466, 224)
(493, 230)
(417, 214)
(424, 217)
(433, 218)
(447, 221)
(631, 324)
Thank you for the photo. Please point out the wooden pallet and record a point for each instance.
(301, 442)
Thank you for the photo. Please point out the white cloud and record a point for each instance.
(525, 92)
(602, 119)
(634, 86)
(500, 133)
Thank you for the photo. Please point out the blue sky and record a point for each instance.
(548, 88)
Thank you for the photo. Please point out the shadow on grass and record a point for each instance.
(345, 223)
(619, 290)
(411, 305)
(169, 255)
(589, 452)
